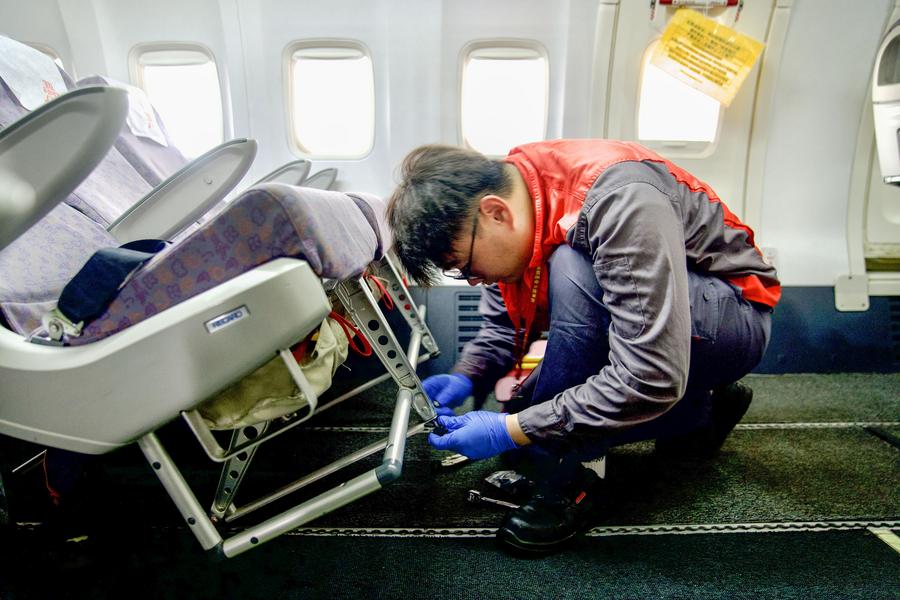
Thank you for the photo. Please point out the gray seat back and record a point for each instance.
(148, 148)
(321, 180)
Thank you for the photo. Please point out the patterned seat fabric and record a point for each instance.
(37, 265)
(270, 221)
(338, 234)
(374, 209)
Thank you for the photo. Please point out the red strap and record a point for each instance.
(354, 336)
(388, 301)
(55, 496)
(299, 350)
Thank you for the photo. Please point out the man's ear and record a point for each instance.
(496, 208)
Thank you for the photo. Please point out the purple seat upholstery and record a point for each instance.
(325, 228)
(374, 209)
(336, 233)
(112, 188)
(37, 265)
(153, 161)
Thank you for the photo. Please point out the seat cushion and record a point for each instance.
(38, 264)
(326, 228)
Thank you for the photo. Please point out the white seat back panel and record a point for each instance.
(100, 396)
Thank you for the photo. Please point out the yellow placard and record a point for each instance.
(706, 55)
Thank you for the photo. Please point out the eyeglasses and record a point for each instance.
(466, 271)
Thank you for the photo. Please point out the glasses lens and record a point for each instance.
(466, 271)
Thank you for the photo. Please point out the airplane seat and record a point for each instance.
(146, 145)
(266, 222)
(323, 180)
(36, 266)
(202, 313)
(144, 141)
(116, 195)
(29, 79)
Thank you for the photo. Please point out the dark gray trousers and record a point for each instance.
(728, 338)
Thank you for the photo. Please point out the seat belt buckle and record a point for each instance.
(57, 325)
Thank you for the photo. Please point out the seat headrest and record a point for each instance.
(32, 76)
(142, 121)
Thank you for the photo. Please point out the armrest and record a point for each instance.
(47, 153)
(292, 173)
(185, 196)
(322, 180)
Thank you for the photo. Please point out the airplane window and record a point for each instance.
(889, 68)
(183, 86)
(670, 110)
(504, 97)
(332, 101)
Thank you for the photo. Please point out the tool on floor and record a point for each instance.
(476, 497)
(454, 459)
(509, 482)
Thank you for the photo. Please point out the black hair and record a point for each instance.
(439, 191)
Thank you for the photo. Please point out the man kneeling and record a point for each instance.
(655, 298)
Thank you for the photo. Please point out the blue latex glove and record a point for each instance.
(476, 434)
(449, 391)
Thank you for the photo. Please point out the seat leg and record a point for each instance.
(399, 293)
(234, 468)
(360, 303)
(178, 489)
(32, 463)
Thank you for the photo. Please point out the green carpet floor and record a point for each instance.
(777, 467)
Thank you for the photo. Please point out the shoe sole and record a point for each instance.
(511, 539)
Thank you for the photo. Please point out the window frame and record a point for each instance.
(136, 73)
(288, 87)
(474, 46)
(673, 148)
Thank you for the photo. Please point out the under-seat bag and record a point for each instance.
(270, 391)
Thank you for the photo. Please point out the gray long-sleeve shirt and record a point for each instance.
(642, 230)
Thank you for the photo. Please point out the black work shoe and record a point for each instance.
(729, 404)
(552, 516)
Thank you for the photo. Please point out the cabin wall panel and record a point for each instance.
(724, 168)
(268, 27)
(116, 27)
(36, 21)
(594, 48)
(565, 29)
(819, 95)
(578, 68)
